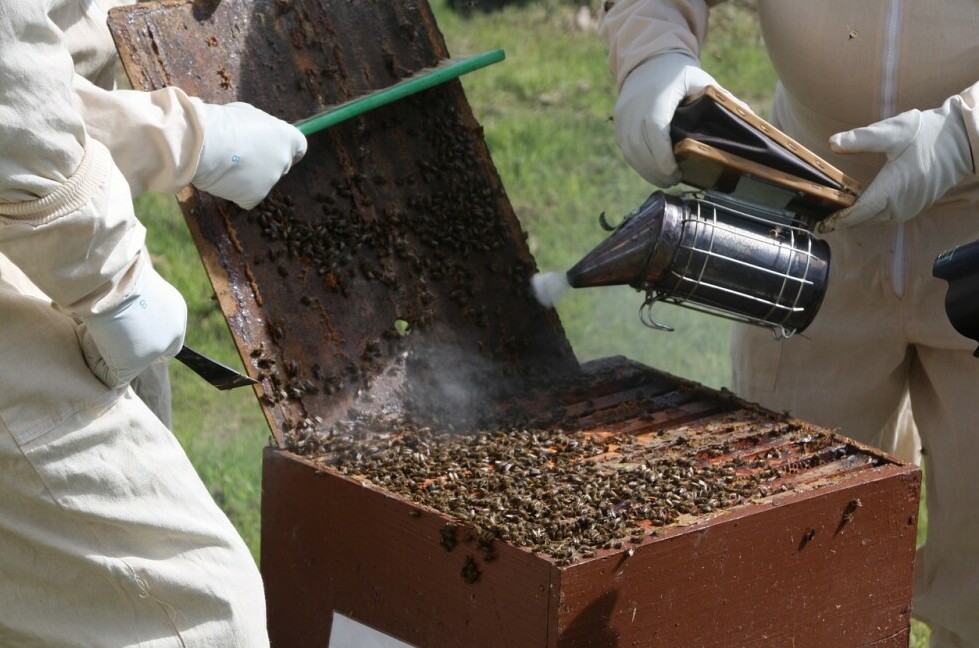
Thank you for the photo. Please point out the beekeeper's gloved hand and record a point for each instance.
(927, 153)
(644, 110)
(246, 151)
(146, 327)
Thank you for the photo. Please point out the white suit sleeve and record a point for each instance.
(66, 215)
(636, 30)
(970, 114)
(155, 137)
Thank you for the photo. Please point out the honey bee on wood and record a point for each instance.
(470, 570)
(807, 538)
(848, 513)
(447, 537)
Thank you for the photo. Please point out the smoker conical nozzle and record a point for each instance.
(631, 254)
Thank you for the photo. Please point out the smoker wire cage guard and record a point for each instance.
(744, 265)
(714, 254)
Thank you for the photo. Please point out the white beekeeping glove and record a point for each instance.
(927, 153)
(246, 151)
(644, 110)
(146, 327)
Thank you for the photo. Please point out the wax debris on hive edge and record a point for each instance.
(549, 286)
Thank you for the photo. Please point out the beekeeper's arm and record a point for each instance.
(66, 214)
(165, 140)
(654, 54)
(928, 152)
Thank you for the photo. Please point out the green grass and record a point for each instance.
(545, 111)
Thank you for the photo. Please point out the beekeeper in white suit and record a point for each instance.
(107, 535)
(887, 92)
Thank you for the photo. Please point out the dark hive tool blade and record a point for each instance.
(221, 376)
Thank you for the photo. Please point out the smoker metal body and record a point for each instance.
(714, 254)
(394, 237)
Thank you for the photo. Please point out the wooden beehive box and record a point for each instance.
(818, 552)
(383, 287)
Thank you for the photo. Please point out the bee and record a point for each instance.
(470, 570)
(807, 538)
(850, 510)
(447, 537)
(276, 331)
(848, 513)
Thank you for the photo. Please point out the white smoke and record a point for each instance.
(549, 287)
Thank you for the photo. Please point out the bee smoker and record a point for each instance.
(713, 253)
(742, 246)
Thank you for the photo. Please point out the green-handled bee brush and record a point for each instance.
(422, 80)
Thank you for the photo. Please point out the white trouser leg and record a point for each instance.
(901, 434)
(945, 400)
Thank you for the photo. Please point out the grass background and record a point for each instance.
(545, 112)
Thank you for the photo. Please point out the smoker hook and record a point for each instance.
(646, 313)
(782, 333)
(605, 225)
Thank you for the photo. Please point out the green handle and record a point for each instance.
(403, 88)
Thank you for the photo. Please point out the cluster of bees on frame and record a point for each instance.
(428, 231)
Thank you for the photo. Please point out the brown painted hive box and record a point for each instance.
(444, 470)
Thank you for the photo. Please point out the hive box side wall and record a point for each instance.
(830, 567)
(329, 543)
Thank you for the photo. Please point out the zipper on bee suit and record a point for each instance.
(888, 108)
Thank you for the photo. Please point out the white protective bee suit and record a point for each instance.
(107, 535)
(886, 91)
